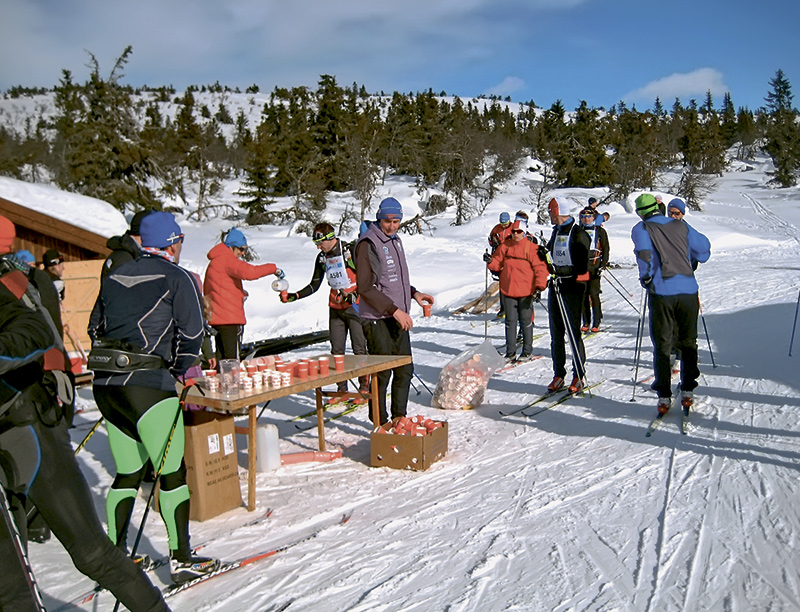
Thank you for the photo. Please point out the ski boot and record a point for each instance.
(556, 384)
(577, 385)
(664, 404)
(185, 568)
(687, 400)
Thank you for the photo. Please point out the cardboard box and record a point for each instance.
(408, 452)
(212, 468)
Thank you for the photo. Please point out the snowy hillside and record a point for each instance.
(573, 509)
(19, 114)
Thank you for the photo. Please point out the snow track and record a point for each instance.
(774, 221)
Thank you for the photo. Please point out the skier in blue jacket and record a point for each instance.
(667, 253)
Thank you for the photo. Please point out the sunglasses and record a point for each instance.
(587, 216)
(319, 237)
(517, 231)
(675, 213)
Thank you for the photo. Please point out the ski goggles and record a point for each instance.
(319, 237)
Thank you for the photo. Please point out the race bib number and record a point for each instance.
(336, 272)
(561, 254)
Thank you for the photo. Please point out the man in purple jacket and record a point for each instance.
(386, 294)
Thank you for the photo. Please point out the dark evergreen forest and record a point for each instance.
(117, 143)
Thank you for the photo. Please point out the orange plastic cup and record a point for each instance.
(324, 366)
(302, 371)
(338, 361)
(426, 310)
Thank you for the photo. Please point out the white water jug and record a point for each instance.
(268, 452)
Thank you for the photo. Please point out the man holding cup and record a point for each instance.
(386, 294)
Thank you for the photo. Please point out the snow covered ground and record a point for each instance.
(573, 509)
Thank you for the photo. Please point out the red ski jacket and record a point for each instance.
(522, 270)
(223, 284)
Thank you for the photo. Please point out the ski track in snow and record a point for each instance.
(776, 221)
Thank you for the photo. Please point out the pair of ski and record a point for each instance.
(514, 364)
(659, 420)
(150, 565)
(348, 407)
(230, 566)
(556, 398)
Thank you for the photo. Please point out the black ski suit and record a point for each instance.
(58, 488)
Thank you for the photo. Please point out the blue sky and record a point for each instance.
(600, 51)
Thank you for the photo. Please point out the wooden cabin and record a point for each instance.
(84, 252)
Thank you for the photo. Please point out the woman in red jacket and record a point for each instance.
(522, 274)
(223, 288)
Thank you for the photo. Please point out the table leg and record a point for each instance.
(251, 458)
(374, 400)
(320, 420)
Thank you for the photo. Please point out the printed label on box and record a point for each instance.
(227, 444)
(213, 443)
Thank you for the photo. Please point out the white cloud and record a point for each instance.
(390, 42)
(684, 86)
(510, 85)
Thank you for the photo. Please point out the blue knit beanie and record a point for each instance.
(505, 217)
(26, 256)
(160, 230)
(679, 204)
(235, 238)
(390, 209)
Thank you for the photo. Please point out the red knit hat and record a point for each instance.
(7, 234)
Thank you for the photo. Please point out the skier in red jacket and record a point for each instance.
(223, 288)
(523, 273)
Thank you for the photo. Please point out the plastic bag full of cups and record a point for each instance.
(461, 386)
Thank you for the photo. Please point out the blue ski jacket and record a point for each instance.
(667, 253)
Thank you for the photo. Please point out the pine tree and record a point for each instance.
(782, 134)
(637, 156)
(98, 141)
(586, 163)
(362, 135)
(728, 127)
(463, 156)
(747, 134)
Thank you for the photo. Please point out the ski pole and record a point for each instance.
(611, 275)
(705, 328)
(88, 435)
(579, 366)
(624, 297)
(485, 291)
(639, 334)
(794, 326)
(422, 382)
(22, 555)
